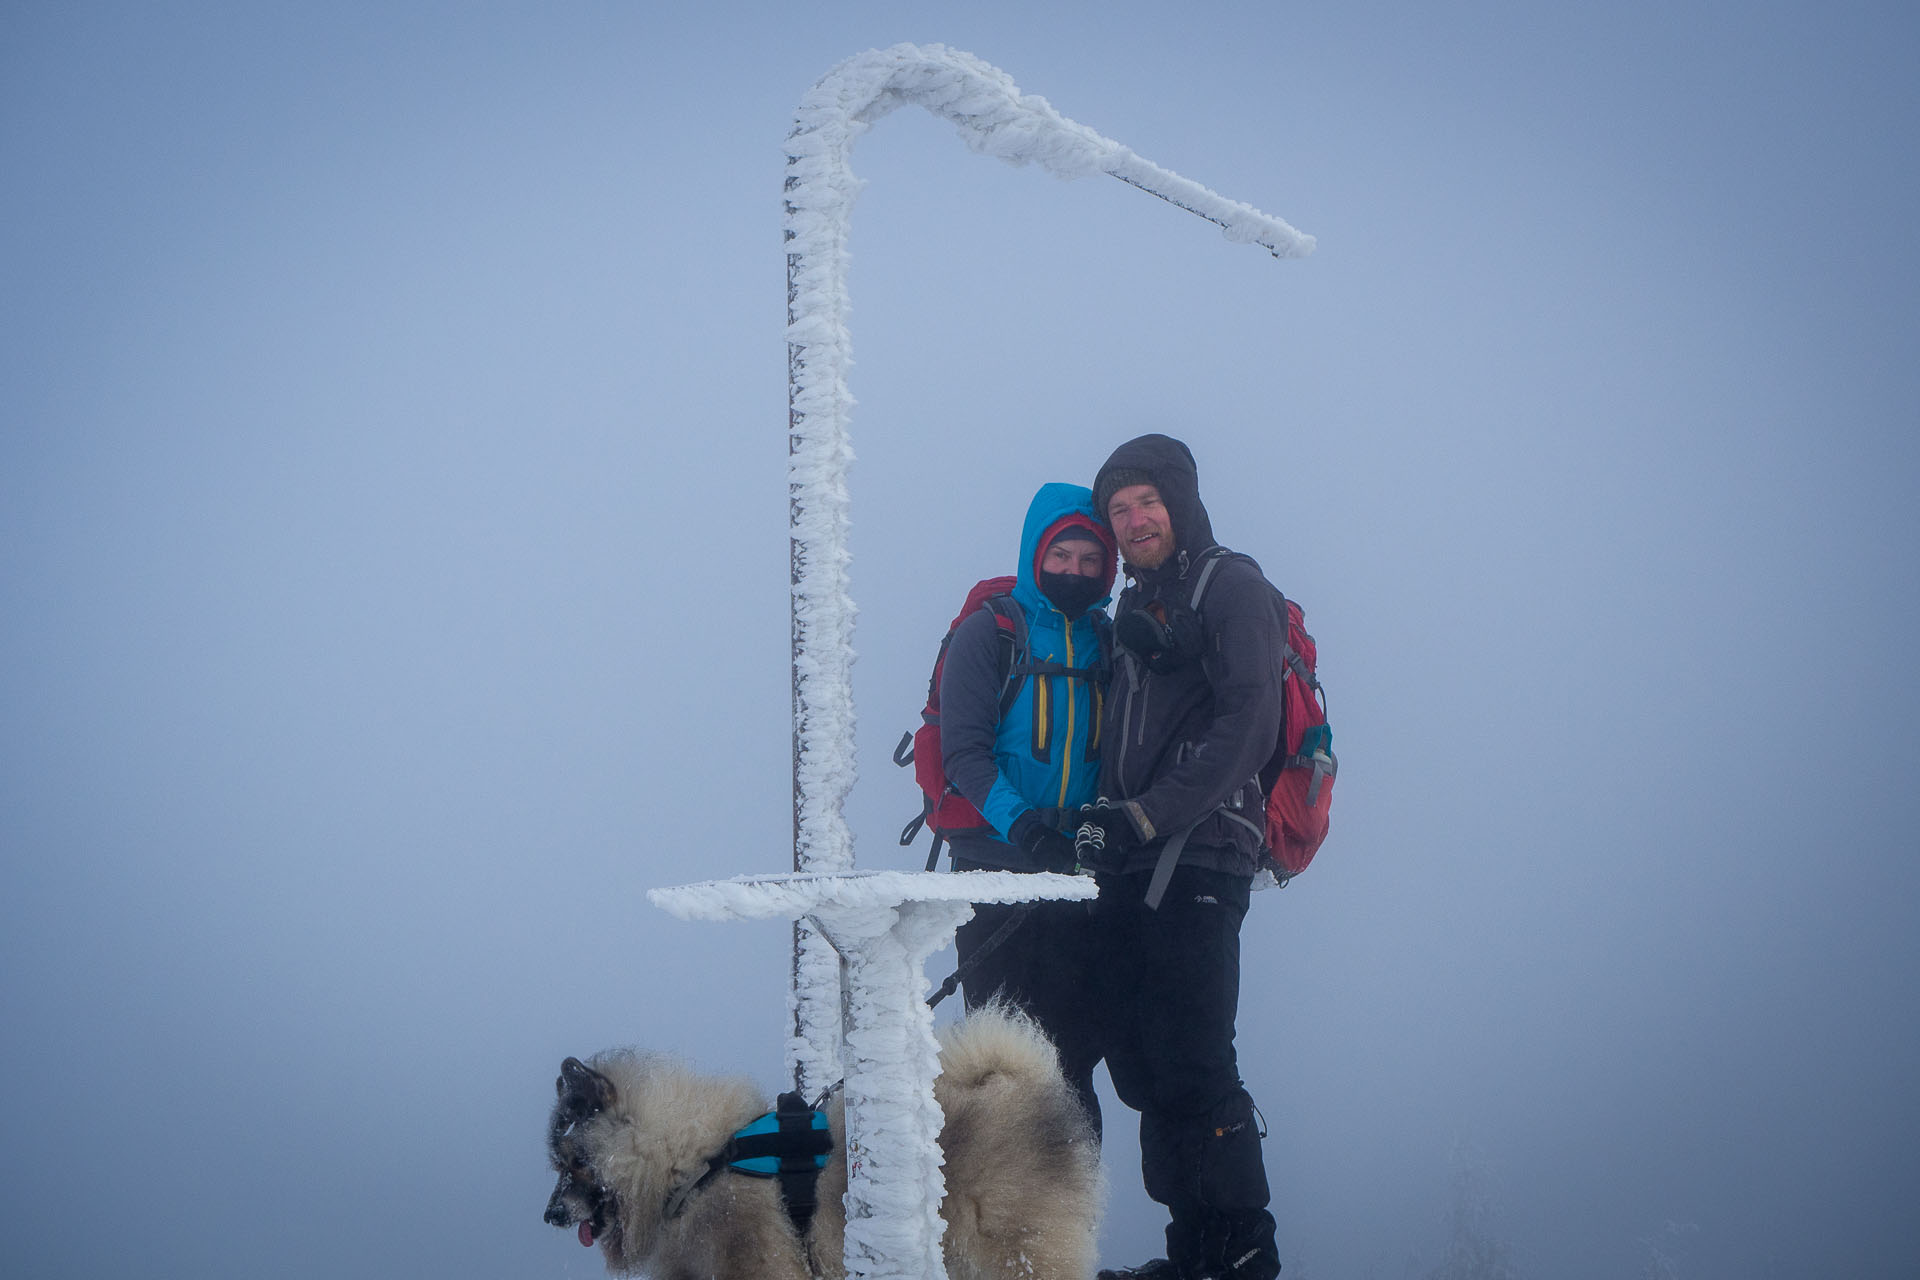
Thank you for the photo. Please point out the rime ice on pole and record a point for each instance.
(883, 925)
(996, 119)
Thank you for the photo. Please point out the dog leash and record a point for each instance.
(972, 962)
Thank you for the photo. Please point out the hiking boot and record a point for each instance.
(1246, 1252)
(1158, 1269)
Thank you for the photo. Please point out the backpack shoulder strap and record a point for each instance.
(1010, 623)
(1103, 636)
(1211, 559)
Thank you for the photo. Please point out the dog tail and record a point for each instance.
(1023, 1179)
(997, 1040)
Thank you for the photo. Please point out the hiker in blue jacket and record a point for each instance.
(1026, 770)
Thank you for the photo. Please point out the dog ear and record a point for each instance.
(587, 1088)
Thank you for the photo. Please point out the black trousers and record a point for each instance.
(1045, 967)
(1170, 988)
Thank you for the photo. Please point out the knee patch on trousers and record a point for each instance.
(1233, 1175)
(1211, 1161)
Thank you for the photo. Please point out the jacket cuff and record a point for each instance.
(1142, 826)
(1017, 829)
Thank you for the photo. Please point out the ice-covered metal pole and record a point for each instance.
(885, 924)
(995, 119)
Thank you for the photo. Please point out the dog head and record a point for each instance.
(630, 1130)
(579, 1198)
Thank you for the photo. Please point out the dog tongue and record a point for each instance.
(586, 1234)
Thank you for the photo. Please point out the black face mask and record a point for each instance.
(1072, 593)
(1165, 639)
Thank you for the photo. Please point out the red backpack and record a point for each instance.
(1300, 792)
(1298, 780)
(946, 812)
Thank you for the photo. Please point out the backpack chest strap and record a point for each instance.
(1054, 669)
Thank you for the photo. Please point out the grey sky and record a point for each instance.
(393, 564)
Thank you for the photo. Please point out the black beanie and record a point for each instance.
(1075, 533)
(1112, 481)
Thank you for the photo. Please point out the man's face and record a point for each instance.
(1084, 559)
(1141, 523)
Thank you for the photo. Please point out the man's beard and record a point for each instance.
(1152, 556)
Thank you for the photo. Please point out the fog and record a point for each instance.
(393, 588)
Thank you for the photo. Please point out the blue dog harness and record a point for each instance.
(790, 1143)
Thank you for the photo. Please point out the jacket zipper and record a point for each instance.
(1146, 687)
(1132, 665)
(1066, 741)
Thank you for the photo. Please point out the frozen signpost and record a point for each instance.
(861, 938)
(883, 925)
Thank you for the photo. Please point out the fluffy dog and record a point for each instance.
(632, 1131)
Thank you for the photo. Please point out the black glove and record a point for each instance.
(1104, 832)
(1052, 850)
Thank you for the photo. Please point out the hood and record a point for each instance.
(1054, 507)
(1170, 468)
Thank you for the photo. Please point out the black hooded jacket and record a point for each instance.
(1184, 747)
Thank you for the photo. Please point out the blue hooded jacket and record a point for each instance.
(1044, 754)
